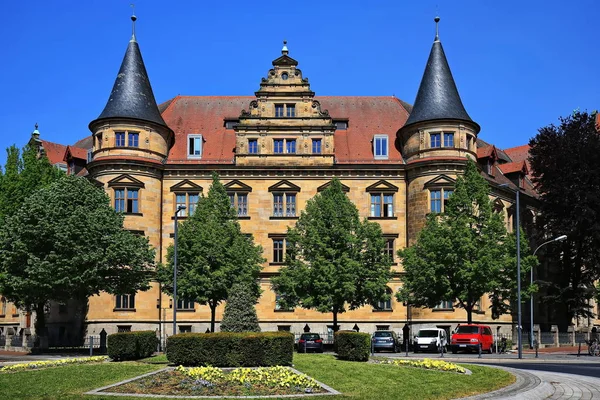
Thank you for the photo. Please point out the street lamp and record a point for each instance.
(519, 343)
(557, 239)
(179, 208)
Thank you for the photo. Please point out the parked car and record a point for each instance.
(310, 342)
(470, 337)
(430, 339)
(385, 340)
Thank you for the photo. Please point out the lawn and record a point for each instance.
(355, 380)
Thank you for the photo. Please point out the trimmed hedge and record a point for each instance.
(229, 349)
(352, 346)
(131, 345)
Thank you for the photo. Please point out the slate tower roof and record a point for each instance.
(438, 96)
(132, 95)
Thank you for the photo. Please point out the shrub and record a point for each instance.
(240, 314)
(131, 345)
(352, 346)
(228, 349)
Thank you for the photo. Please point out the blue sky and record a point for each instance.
(519, 65)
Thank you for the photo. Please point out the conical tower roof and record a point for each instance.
(132, 95)
(438, 96)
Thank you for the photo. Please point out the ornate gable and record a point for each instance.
(125, 180)
(324, 186)
(382, 186)
(284, 186)
(284, 125)
(440, 181)
(186, 186)
(237, 186)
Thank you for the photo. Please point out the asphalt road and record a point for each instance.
(583, 369)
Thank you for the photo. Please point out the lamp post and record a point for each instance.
(179, 208)
(519, 343)
(557, 239)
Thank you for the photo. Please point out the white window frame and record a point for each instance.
(194, 136)
(377, 138)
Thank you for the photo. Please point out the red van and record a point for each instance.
(470, 337)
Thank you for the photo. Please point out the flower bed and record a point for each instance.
(52, 363)
(211, 381)
(438, 365)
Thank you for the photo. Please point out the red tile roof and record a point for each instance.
(54, 151)
(75, 152)
(366, 116)
(520, 153)
(486, 151)
(519, 166)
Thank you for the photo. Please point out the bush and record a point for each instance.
(131, 345)
(352, 346)
(240, 313)
(228, 349)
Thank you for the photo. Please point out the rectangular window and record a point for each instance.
(185, 304)
(123, 328)
(435, 140)
(90, 156)
(132, 201)
(278, 306)
(120, 139)
(380, 147)
(252, 146)
(389, 249)
(445, 305)
(436, 201)
(316, 146)
(185, 329)
(290, 205)
(120, 200)
(194, 146)
(376, 205)
(278, 146)
(279, 110)
(242, 205)
(181, 201)
(284, 328)
(384, 305)
(278, 204)
(133, 139)
(447, 194)
(278, 250)
(192, 202)
(290, 146)
(448, 139)
(125, 301)
(382, 327)
(382, 205)
(341, 125)
(290, 110)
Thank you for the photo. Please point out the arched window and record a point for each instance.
(384, 305)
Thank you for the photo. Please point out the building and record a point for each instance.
(274, 150)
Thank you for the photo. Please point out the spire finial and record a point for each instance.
(36, 133)
(36, 126)
(284, 50)
(437, 28)
(133, 19)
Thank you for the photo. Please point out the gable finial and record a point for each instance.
(284, 50)
(36, 126)
(437, 28)
(133, 19)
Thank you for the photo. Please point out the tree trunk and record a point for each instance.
(469, 311)
(213, 311)
(335, 324)
(40, 326)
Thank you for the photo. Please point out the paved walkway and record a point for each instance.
(534, 385)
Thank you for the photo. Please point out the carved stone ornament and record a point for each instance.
(245, 113)
(254, 104)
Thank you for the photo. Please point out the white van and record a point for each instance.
(430, 339)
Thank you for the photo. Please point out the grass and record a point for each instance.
(159, 359)
(355, 380)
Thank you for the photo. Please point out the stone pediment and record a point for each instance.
(440, 181)
(285, 60)
(186, 186)
(324, 186)
(237, 186)
(284, 186)
(382, 186)
(126, 180)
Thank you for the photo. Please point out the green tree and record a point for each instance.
(240, 313)
(213, 253)
(566, 170)
(463, 254)
(334, 261)
(67, 242)
(24, 173)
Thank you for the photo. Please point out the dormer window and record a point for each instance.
(290, 110)
(341, 125)
(194, 146)
(230, 124)
(279, 110)
(252, 146)
(380, 147)
(316, 146)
